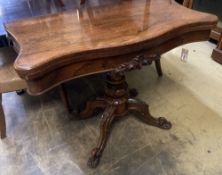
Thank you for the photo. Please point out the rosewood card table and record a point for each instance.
(111, 38)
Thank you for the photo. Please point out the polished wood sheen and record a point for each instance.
(114, 38)
(85, 41)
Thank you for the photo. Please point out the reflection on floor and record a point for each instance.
(42, 140)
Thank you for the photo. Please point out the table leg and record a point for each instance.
(105, 125)
(158, 67)
(64, 97)
(144, 114)
(91, 106)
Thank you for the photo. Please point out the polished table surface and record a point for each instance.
(12, 10)
(62, 46)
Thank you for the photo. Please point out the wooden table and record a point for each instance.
(111, 38)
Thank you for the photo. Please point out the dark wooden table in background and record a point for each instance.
(113, 38)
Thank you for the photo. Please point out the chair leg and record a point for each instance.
(64, 97)
(2, 120)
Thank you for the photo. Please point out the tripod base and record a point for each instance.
(117, 102)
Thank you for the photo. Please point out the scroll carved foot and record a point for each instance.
(145, 115)
(105, 125)
(94, 159)
(91, 106)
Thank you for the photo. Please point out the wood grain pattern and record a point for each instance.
(41, 84)
(96, 34)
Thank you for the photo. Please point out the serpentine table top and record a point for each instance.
(115, 38)
(57, 48)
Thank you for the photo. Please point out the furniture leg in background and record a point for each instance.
(64, 97)
(158, 66)
(217, 52)
(10, 81)
(216, 34)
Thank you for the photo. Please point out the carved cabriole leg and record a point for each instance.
(144, 114)
(2, 120)
(91, 106)
(105, 125)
